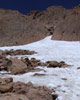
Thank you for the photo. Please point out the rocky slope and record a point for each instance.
(16, 66)
(69, 28)
(21, 91)
(16, 28)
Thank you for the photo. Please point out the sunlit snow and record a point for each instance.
(49, 50)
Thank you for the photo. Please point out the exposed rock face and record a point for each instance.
(17, 29)
(22, 91)
(69, 28)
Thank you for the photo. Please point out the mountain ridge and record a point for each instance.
(19, 29)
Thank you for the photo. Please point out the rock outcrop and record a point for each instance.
(15, 66)
(54, 64)
(69, 28)
(17, 29)
(20, 66)
(21, 91)
(17, 52)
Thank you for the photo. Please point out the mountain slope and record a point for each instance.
(65, 81)
(69, 28)
(16, 28)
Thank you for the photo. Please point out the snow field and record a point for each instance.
(49, 50)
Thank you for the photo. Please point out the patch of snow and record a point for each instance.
(49, 50)
(4, 72)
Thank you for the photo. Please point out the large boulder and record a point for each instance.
(18, 66)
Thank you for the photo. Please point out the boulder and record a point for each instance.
(53, 64)
(20, 88)
(78, 67)
(6, 85)
(5, 81)
(13, 96)
(22, 91)
(37, 62)
(5, 88)
(54, 96)
(34, 61)
(5, 63)
(18, 67)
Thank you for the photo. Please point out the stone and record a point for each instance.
(38, 74)
(78, 67)
(13, 96)
(5, 81)
(5, 88)
(54, 96)
(18, 67)
(22, 91)
(53, 64)
(5, 64)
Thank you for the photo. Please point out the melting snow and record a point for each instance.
(48, 50)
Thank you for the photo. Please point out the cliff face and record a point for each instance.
(69, 28)
(17, 29)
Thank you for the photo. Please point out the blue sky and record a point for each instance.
(25, 6)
